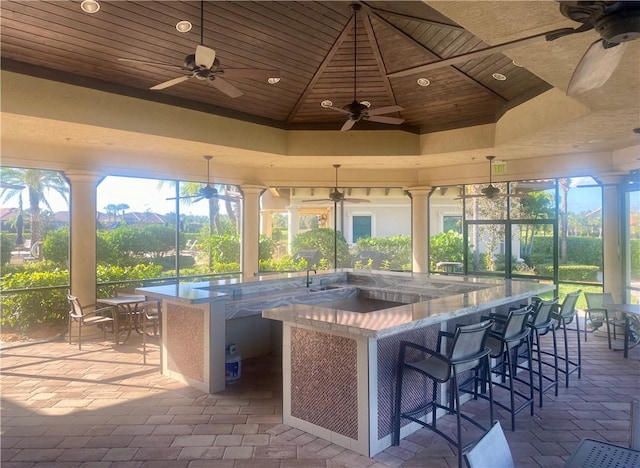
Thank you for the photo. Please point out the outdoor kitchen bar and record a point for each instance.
(340, 338)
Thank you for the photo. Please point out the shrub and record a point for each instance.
(571, 272)
(580, 250)
(169, 262)
(322, 240)
(396, 251)
(56, 247)
(7, 244)
(634, 257)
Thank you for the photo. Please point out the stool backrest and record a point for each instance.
(542, 312)
(516, 324)
(568, 308)
(469, 345)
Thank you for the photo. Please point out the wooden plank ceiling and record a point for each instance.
(310, 43)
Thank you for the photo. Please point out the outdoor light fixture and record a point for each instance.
(273, 80)
(90, 6)
(184, 26)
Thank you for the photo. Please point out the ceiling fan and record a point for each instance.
(203, 65)
(335, 195)
(357, 110)
(208, 191)
(617, 22)
(491, 191)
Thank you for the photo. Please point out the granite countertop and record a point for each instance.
(387, 322)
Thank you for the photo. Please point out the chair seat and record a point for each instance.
(433, 366)
(96, 319)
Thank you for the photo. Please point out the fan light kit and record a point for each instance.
(184, 26)
(90, 6)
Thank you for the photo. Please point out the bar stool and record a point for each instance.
(467, 352)
(540, 324)
(564, 315)
(510, 332)
(149, 313)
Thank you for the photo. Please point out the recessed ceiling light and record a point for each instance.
(273, 80)
(90, 6)
(499, 76)
(326, 103)
(365, 103)
(423, 82)
(516, 63)
(184, 26)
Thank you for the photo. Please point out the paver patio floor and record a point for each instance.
(101, 407)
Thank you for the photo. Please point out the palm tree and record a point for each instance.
(38, 182)
(121, 207)
(112, 211)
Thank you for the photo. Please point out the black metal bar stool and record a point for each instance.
(540, 324)
(510, 332)
(564, 315)
(467, 352)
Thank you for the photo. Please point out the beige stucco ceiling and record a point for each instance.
(50, 124)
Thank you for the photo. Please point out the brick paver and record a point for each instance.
(102, 407)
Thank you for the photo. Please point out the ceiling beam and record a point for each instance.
(378, 56)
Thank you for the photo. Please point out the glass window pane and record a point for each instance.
(532, 249)
(446, 245)
(537, 200)
(479, 207)
(487, 245)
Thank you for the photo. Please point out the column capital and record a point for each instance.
(611, 179)
(75, 175)
(424, 190)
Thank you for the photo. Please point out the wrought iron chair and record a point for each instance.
(149, 314)
(90, 315)
(598, 315)
(467, 352)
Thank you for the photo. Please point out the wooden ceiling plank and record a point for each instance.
(379, 60)
(422, 47)
(343, 35)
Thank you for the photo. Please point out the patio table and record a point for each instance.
(592, 453)
(627, 310)
(128, 306)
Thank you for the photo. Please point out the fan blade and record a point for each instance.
(384, 119)
(339, 109)
(595, 67)
(205, 56)
(226, 198)
(172, 82)
(252, 73)
(462, 58)
(348, 125)
(384, 110)
(152, 64)
(182, 197)
(226, 87)
(317, 200)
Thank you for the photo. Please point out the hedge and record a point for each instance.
(580, 250)
(571, 272)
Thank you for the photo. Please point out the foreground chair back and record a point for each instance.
(564, 316)
(491, 451)
(150, 315)
(90, 315)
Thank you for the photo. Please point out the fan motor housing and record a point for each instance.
(623, 26)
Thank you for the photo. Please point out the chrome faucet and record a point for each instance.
(309, 280)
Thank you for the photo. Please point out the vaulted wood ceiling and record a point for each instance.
(310, 43)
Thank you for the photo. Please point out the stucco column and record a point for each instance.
(82, 233)
(250, 229)
(611, 238)
(420, 227)
(292, 230)
(266, 224)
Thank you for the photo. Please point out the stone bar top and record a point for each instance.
(474, 295)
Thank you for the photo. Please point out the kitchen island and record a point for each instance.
(339, 365)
